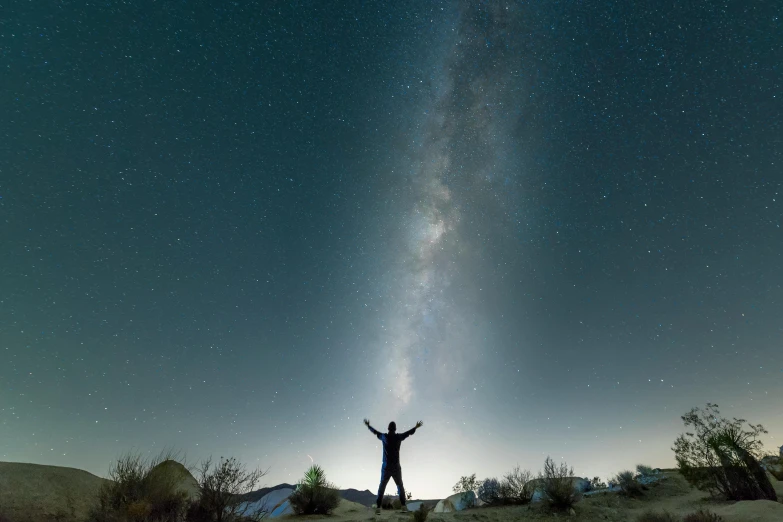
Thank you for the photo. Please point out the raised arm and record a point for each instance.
(411, 431)
(373, 430)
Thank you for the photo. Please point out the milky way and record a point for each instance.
(458, 160)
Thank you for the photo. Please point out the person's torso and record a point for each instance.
(391, 449)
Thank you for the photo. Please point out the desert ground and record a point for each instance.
(34, 493)
(673, 494)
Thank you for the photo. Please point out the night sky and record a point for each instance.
(239, 228)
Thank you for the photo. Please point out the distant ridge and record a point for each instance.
(365, 498)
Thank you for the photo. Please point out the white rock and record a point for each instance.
(275, 503)
(455, 503)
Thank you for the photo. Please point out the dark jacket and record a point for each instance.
(391, 445)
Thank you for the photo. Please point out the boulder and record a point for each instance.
(171, 471)
(456, 502)
(275, 503)
(773, 464)
(581, 485)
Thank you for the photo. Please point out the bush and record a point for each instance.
(314, 495)
(489, 491)
(655, 516)
(596, 483)
(467, 485)
(558, 486)
(644, 471)
(702, 515)
(722, 456)
(387, 502)
(420, 515)
(138, 490)
(516, 487)
(221, 488)
(628, 484)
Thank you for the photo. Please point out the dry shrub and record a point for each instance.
(140, 491)
(657, 516)
(558, 487)
(420, 515)
(628, 484)
(489, 491)
(516, 487)
(702, 515)
(221, 487)
(644, 471)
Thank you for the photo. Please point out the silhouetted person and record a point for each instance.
(391, 460)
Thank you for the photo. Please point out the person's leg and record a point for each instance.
(385, 476)
(397, 476)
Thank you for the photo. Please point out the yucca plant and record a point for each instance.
(314, 494)
(721, 455)
(315, 477)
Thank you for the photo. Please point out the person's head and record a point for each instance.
(392, 427)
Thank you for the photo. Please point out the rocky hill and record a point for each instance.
(32, 492)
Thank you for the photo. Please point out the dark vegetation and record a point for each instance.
(597, 483)
(657, 516)
(721, 456)
(518, 487)
(702, 515)
(158, 490)
(139, 493)
(420, 515)
(314, 494)
(697, 516)
(467, 486)
(390, 502)
(221, 488)
(629, 486)
(558, 487)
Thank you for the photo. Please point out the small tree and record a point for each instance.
(314, 494)
(489, 491)
(558, 486)
(597, 483)
(467, 485)
(629, 486)
(221, 489)
(516, 487)
(721, 455)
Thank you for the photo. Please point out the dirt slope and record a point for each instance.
(36, 493)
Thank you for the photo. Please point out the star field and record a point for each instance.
(239, 229)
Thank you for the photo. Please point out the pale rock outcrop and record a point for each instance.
(581, 485)
(275, 504)
(456, 502)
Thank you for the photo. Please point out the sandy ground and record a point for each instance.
(32, 493)
(672, 494)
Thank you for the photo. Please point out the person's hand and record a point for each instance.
(367, 422)
(419, 424)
